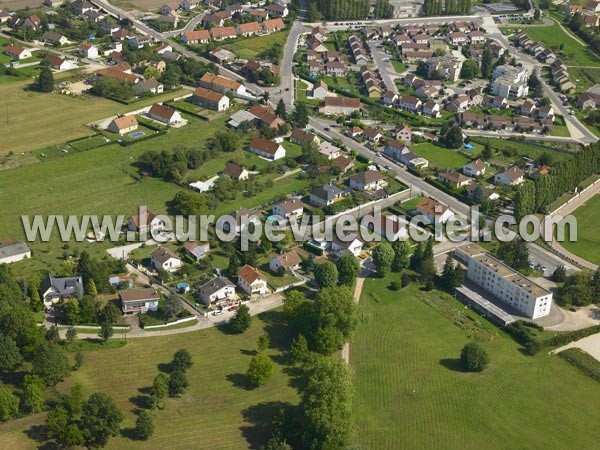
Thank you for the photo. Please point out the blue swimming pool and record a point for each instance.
(137, 134)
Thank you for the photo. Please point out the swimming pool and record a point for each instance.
(137, 134)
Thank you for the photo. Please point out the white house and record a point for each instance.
(267, 149)
(123, 125)
(251, 281)
(139, 301)
(434, 211)
(392, 228)
(147, 221)
(475, 168)
(197, 250)
(292, 207)
(216, 292)
(351, 246)
(367, 181)
(163, 258)
(329, 150)
(510, 177)
(287, 261)
(88, 50)
(164, 114)
(15, 251)
(17, 52)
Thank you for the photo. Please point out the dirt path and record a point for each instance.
(357, 291)
(590, 344)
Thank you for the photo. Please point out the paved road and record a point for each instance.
(403, 22)
(190, 26)
(382, 61)
(527, 136)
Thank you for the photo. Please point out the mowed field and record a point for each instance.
(575, 53)
(216, 412)
(588, 240)
(439, 156)
(249, 48)
(30, 120)
(411, 393)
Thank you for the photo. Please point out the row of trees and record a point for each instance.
(580, 289)
(447, 7)
(343, 9)
(172, 166)
(535, 196)
(343, 272)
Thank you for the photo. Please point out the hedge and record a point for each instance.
(582, 361)
(313, 249)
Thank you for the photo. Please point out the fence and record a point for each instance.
(94, 327)
(169, 324)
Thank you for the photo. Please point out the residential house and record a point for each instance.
(410, 103)
(221, 84)
(287, 262)
(372, 135)
(54, 289)
(248, 29)
(139, 301)
(216, 292)
(57, 63)
(267, 149)
(123, 125)
(164, 114)
(53, 38)
(150, 85)
(478, 193)
(545, 112)
(210, 99)
(292, 207)
(265, 115)
(240, 219)
(196, 250)
(431, 109)
(342, 162)
(325, 195)
(368, 180)
(339, 106)
(147, 221)
(458, 38)
(544, 170)
(320, 89)
(301, 137)
(222, 56)
(13, 251)
(273, 25)
(258, 14)
(434, 211)
(510, 177)
(188, 5)
(169, 8)
(389, 98)
(139, 41)
(196, 37)
(276, 10)
(222, 33)
(527, 108)
(391, 228)
(588, 100)
(17, 52)
(251, 281)
(350, 245)
(475, 168)
(403, 133)
(165, 259)
(454, 179)
(329, 150)
(235, 171)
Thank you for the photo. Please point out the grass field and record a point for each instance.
(412, 394)
(30, 120)
(399, 66)
(216, 412)
(439, 156)
(588, 240)
(573, 53)
(249, 48)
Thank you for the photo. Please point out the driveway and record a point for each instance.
(386, 70)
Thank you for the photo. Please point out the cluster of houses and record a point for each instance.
(532, 119)
(560, 77)
(359, 50)
(320, 59)
(589, 13)
(229, 32)
(163, 114)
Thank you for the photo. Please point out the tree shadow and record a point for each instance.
(248, 352)
(145, 390)
(453, 364)
(141, 402)
(129, 433)
(37, 433)
(165, 367)
(239, 380)
(259, 419)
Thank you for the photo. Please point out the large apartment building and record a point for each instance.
(504, 283)
(510, 81)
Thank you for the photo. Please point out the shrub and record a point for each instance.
(473, 357)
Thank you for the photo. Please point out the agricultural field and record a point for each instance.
(250, 48)
(411, 392)
(587, 245)
(218, 410)
(572, 53)
(439, 156)
(30, 120)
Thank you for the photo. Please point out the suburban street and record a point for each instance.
(382, 61)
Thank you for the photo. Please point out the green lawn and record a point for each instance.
(398, 66)
(588, 240)
(585, 78)
(573, 53)
(216, 412)
(250, 48)
(440, 157)
(38, 120)
(410, 393)
(301, 88)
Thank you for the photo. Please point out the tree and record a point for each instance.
(106, 330)
(33, 393)
(454, 138)
(596, 286)
(91, 288)
(71, 436)
(78, 360)
(45, 80)
(159, 390)
(9, 403)
(401, 252)
(326, 403)
(178, 383)
(299, 349)
(182, 360)
(560, 274)
(56, 421)
(263, 342)
(383, 256)
(227, 141)
(486, 63)
(469, 70)
(110, 313)
(260, 369)
(71, 334)
(326, 275)
(100, 419)
(10, 355)
(335, 318)
(51, 363)
(144, 426)
(348, 269)
(452, 276)
(240, 322)
(281, 111)
(474, 357)
(515, 253)
(577, 290)
(300, 116)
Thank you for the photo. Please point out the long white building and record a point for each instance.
(505, 283)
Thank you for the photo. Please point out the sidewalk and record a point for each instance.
(357, 292)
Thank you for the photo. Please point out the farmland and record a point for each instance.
(216, 412)
(412, 394)
(29, 120)
(588, 242)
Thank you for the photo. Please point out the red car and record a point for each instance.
(233, 308)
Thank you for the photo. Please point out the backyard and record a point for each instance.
(411, 392)
(217, 411)
(250, 48)
(440, 157)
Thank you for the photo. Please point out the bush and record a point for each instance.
(395, 285)
(473, 357)
(583, 361)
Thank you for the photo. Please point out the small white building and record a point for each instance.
(475, 168)
(14, 251)
(510, 177)
(163, 258)
(139, 301)
(216, 292)
(287, 261)
(267, 149)
(289, 208)
(251, 281)
(88, 50)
